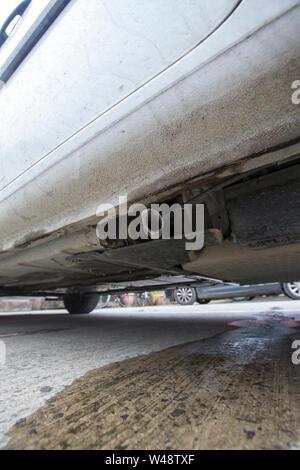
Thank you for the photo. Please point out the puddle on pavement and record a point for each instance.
(237, 390)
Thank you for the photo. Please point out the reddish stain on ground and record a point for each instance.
(245, 323)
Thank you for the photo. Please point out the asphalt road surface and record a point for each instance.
(217, 376)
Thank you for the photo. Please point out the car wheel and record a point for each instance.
(292, 289)
(77, 304)
(185, 295)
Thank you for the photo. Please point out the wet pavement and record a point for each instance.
(203, 377)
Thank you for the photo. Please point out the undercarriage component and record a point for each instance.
(242, 264)
(265, 212)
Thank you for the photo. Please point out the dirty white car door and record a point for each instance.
(94, 55)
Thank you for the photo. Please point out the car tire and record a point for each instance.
(292, 289)
(81, 304)
(185, 295)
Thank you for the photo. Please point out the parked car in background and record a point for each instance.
(189, 295)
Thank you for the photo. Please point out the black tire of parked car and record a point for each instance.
(81, 304)
(185, 295)
(292, 289)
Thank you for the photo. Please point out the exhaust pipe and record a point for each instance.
(152, 223)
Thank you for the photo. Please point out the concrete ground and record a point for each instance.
(203, 376)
